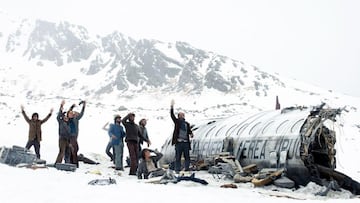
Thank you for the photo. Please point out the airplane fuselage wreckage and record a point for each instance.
(298, 141)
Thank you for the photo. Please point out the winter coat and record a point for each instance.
(118, 131)
(35, 126)
(132, 130)
(74, 122)
(144, 134)
(64, 128)
(176, 131)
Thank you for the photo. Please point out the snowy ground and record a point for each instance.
(51, 185)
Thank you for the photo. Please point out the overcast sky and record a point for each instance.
(315, 41)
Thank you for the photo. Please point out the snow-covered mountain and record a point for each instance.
(44, 62)
(131, 64)
(118, 66)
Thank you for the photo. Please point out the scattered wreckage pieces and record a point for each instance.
(229, 185)
(222, 170)
(170, 177)
(266, 176)
(201, 165)
(108, 181)
(20, 157)
(242, 179)
(73, 167)
(225, 166)
(23, 158)
(192, 178)
(16, 155)
(228, 167)
(338, 180)
(284, 182)
(65, 167)
(87, 160)
(251, 168)
(32, 166)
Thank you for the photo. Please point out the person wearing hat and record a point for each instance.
(35, 123)
(117, 134)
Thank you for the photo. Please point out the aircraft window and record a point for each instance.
(267, 127)
(208, 132)
(237, 127)
(254, 128)
(219, 131)
(297, 125)
(281, 127)
(242, 128)
(210, 122)
(228, 133)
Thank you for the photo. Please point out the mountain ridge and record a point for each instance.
(143, 63)
(116, 66)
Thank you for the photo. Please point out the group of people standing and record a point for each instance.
(68, 132)
(141, 162)
(181, 139)
(134, 136)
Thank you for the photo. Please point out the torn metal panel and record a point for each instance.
(16, 155)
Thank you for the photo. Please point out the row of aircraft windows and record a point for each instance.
(239, 128)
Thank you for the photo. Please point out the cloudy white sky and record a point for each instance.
(315, 41)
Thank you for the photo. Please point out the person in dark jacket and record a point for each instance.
(117, 134)
(64, 133)
(35, 123)
(74, 117)
(144, 134)
(181, 138)
(132, 141)
(148, 164)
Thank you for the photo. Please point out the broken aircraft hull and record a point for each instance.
(297, 139)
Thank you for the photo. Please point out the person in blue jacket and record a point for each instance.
(71, 153)
(117, 134)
